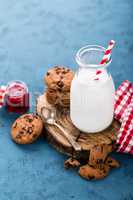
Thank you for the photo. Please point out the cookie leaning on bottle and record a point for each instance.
(58, 80)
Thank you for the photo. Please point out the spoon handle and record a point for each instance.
(74, 144)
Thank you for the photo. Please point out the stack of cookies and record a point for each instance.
(58, 81)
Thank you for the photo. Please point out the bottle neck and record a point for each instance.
(90, 74)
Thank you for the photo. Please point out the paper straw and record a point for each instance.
(106, 57)
(107, 52)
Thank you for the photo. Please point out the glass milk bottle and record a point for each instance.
(92, 91)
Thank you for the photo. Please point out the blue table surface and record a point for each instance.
(35, 35)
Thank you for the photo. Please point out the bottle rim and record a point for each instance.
(86, 48)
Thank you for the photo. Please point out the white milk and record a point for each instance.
(92, 101)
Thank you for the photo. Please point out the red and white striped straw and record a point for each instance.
(107, 52)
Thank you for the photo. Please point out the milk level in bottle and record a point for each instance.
(92, 91)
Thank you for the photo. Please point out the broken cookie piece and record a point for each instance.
(111, 162)
(98, 154)
(90, 172)
(71, 163)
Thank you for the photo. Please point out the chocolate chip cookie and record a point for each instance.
(98, 154)
(26, 129)
(90, 172)
(58, 98)
(59, 78)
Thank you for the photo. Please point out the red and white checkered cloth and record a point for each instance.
(124, 113)
(2, 94)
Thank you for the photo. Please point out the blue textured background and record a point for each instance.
(35, 35)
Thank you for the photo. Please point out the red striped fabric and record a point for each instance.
(2, 95)
(123, 98)
(124, 113)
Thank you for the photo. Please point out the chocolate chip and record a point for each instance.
(24, 129)
(58, 69)
(35, 135)
(48, 74)
(57, 72)
(109, 161)
(60, 84)
(18, 136)
(60, 90)
(64, 72)
(91, 177)
(30, 120)
(21, 132)
(50, 91)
